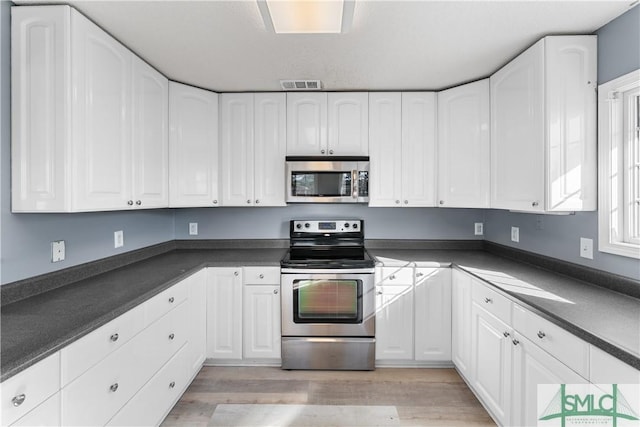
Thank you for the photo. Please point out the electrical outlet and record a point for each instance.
(479, 228)
(586, 248)
(515, 234)
(118, 239)
(57, 251)
(193, 228)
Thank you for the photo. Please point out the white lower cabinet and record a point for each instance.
(46, 414)
(261, 312)
(394, 313)
(197, 331)
(432, 298)
(461, 322)
(224, 313)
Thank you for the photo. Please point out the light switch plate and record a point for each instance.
(118, 239)
(515, 234)
(479, 228)
(57, 251)
(586, 248)
(193, 228)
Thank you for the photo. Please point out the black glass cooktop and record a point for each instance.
(327, 258)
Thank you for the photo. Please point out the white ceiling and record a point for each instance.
(392, 45)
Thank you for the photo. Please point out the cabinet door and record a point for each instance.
(40, 107)
(150, 137)
(394, 314)
(433, 314)
(348, 123)
(517, 133)
(197, 339)
(261, 322)
(270, 149)
(102, 73)
(533, 366)
(193, 146)
(224, 313)
(306, 124)
(461, 323)
(45, 414)
(236, 159)
(491, 354)
(385, 149)
(463, 146)
(418, 149)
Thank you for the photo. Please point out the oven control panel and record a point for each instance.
(327, 226)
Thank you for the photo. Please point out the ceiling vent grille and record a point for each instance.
(301, 84)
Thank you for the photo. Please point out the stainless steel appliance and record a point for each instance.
(327, 180)
(327, 297)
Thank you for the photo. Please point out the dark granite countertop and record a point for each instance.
(37, 326)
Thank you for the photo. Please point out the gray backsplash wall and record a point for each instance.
(618, 54)
(25, 239)
(380, 223)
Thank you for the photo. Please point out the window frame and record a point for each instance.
(617, 136)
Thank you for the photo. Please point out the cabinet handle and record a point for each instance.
(275, 291)
(330, 151)
(534, 204)
(261, 276)
(130, 202)
(321, 151)
(515, 341)
(171, 336)
(257, 201)
(419, 274)
(541, 334)
(172, 384)
(235, 273)
(397, 202)
(488, 300)
(18, 400)
(215, 202)
(506, 334)
(138, 202)
(442, 202)
(114, 387)
(171, 300)
(114, 337)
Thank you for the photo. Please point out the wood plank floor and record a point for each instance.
(422, 397)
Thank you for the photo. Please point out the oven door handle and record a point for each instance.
(327, 270)
(337, 339)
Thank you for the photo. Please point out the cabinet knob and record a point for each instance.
(138, 202)
(419, 274)
(114, 387)
(275, 291)
(130, 202)
(18, 400)
(406, 202)
(114, 337)
(248, 202)
(215, 202)
(541, 334)
(172, 384)
(397, 202)
(534, 204)
(171, 300)
(515, 341)
(330, 151)
(261, 276)
(442, 202)
(257, 201)
(506, 334)
(235, 273)
(488, 300)
(172, 336)
(392, 277)
(379, 293)
(322, 151)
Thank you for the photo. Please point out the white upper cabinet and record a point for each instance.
(193, 146)
(348, 123)
(83, 117)
(543, 128)
(463, 146)
(402, 143)
(321, 123)
(253, 149)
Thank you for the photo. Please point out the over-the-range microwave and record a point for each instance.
(327, 179)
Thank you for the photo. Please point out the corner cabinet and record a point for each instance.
(543, 128)
(463, 146)
(253, 149)
(89, 118)
(193, 146)
(402, 145)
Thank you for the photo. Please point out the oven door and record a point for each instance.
(328, 304)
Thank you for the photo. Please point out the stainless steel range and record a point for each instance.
(327, 296)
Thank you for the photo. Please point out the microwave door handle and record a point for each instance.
(354, 183)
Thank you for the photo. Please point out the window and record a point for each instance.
(619, 168)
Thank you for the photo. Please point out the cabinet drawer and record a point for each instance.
(26, 390)
(562, 345)
(157, 397)
(166, 300)
(606, 369)
(92, 348)
(394, 276)
(261, 275)
(491, 301)
(45, 414)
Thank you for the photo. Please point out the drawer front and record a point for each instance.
(387, 276)
(261, 275)
(606, 369)
(26, 390)
(97, 395)
(45, 414)
(491, 301)
(156, 398)
(165, 301)
(561, 344)
(92, 348)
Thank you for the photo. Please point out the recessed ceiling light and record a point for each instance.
(307, 16)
